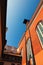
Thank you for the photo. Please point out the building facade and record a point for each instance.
(30, 49)
(32, 40)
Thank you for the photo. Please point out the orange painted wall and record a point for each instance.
(35, 41)
(27, 35)
(23, 46)
(37, 49)
(39, 58)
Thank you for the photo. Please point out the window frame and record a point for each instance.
(38, 33)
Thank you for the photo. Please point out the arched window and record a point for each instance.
(39, 31)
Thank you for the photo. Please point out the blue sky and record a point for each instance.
(17, 11)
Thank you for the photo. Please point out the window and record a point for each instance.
(39, 31)
(29, 51)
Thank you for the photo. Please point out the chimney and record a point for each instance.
(26, 22)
